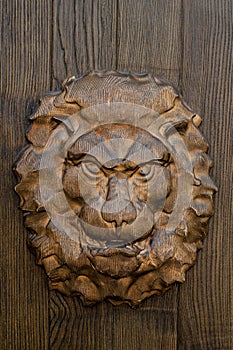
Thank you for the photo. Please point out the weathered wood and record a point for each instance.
(120, 50)
(150, 37)
(104, 326)
(205, 317)
(89, 43)
(84, 37)
(25, 73)
(128, 35)
(24, 294)
(25, 51)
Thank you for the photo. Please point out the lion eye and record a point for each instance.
(90, 169)
(145, 169)
(145, 172)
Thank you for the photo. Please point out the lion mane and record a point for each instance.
(146, 266)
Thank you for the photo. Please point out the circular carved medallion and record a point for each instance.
(115, 187)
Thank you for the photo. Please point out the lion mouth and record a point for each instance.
(126, 251)
(123, 261)
(116, 247)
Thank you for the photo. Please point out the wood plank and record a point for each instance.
(25, 72)
(26, 54)
(204, 308)
(95, 39)
(146, 37)
(24, 295)
(89, 42)
(105, 326)
(84, 37)
(150, 38)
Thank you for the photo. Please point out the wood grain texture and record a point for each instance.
(44, 41)
(150, 37)
(24, 296)
(205, 299)
(25, 51)
(105, 326)
(142, 20)
(25, 73)
(84, 37)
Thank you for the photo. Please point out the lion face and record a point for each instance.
(117, 178)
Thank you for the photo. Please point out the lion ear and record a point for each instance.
(172, 127)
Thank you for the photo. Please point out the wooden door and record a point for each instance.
(188, 42)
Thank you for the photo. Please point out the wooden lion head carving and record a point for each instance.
(115, 187)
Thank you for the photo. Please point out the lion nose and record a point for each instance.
(118, 207)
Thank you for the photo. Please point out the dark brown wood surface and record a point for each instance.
(205, 310)
(188, 42)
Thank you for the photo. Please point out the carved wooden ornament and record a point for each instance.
(115, 187)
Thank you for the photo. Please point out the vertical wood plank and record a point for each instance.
(25, 51)
(150, 38)
(84, 37)
(124, 36)
(105, 326)
(59, 39)
(24, 299)
(89, 42)
(25, 73)
(204, 302)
